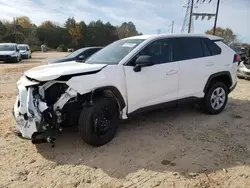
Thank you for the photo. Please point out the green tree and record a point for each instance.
(47, 33)
(227, 34)
(3, 31)
(127, 30)
(70, 22)
(24, 21)
(73, 34)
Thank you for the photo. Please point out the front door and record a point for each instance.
(153, 84)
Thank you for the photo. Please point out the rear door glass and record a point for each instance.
(185, 48)
(206, 51)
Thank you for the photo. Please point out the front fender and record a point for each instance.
(110, 78)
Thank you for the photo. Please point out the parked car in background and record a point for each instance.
(70, 50)
(24, 51)
(9, 52)
(79, 55)
(242, 51)
(244, 68)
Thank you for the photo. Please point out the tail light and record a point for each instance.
(237, 58)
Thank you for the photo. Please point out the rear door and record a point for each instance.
(196, 65)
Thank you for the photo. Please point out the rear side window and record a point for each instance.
(206, 51)
(213, 48)
(185, 48)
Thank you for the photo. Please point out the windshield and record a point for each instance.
(75, 53)
(7, 47)
(115, 52)
(22, 47)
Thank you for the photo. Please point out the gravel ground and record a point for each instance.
(169, 148)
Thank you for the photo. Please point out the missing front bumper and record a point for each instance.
(28, 112)
(35, 120)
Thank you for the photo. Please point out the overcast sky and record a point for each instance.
(147, 15)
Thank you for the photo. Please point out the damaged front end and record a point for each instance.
(41, 108)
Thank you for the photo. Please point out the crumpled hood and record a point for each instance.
(7, 52)
(53, 71)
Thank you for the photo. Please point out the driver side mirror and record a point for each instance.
(143, 61)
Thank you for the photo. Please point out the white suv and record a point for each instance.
(128, 76)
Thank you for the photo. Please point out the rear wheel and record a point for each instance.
(98, 123)
(215, 98)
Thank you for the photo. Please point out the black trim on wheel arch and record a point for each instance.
(166, 105)
(223, 73)
(232, 88)
(116, 92)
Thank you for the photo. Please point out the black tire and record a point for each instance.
(207, 102)
(90, 118)
(16, 60)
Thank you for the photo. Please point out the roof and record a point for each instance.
(23, 45)
(92, 47)
(212, 37)
(7, 43)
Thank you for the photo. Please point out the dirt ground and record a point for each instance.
(170, 148)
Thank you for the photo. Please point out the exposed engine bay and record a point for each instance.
(42, 110)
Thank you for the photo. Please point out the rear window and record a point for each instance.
(213, 47)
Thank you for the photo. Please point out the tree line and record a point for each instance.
(76, 35)
(71, 35)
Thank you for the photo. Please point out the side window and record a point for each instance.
(213, 48)
(206, 51)
(185, 48)
(92, 51)
(159, 50)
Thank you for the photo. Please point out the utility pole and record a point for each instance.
(190, 17)
(216, 16)
(172, 30)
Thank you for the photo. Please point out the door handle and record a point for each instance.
(171, 72)
(210, 64)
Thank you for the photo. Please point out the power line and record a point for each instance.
(190, 17)
(190, 14)
(188, 20)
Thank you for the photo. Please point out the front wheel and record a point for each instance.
(215, 98)
(16, 60)
(98, 123)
